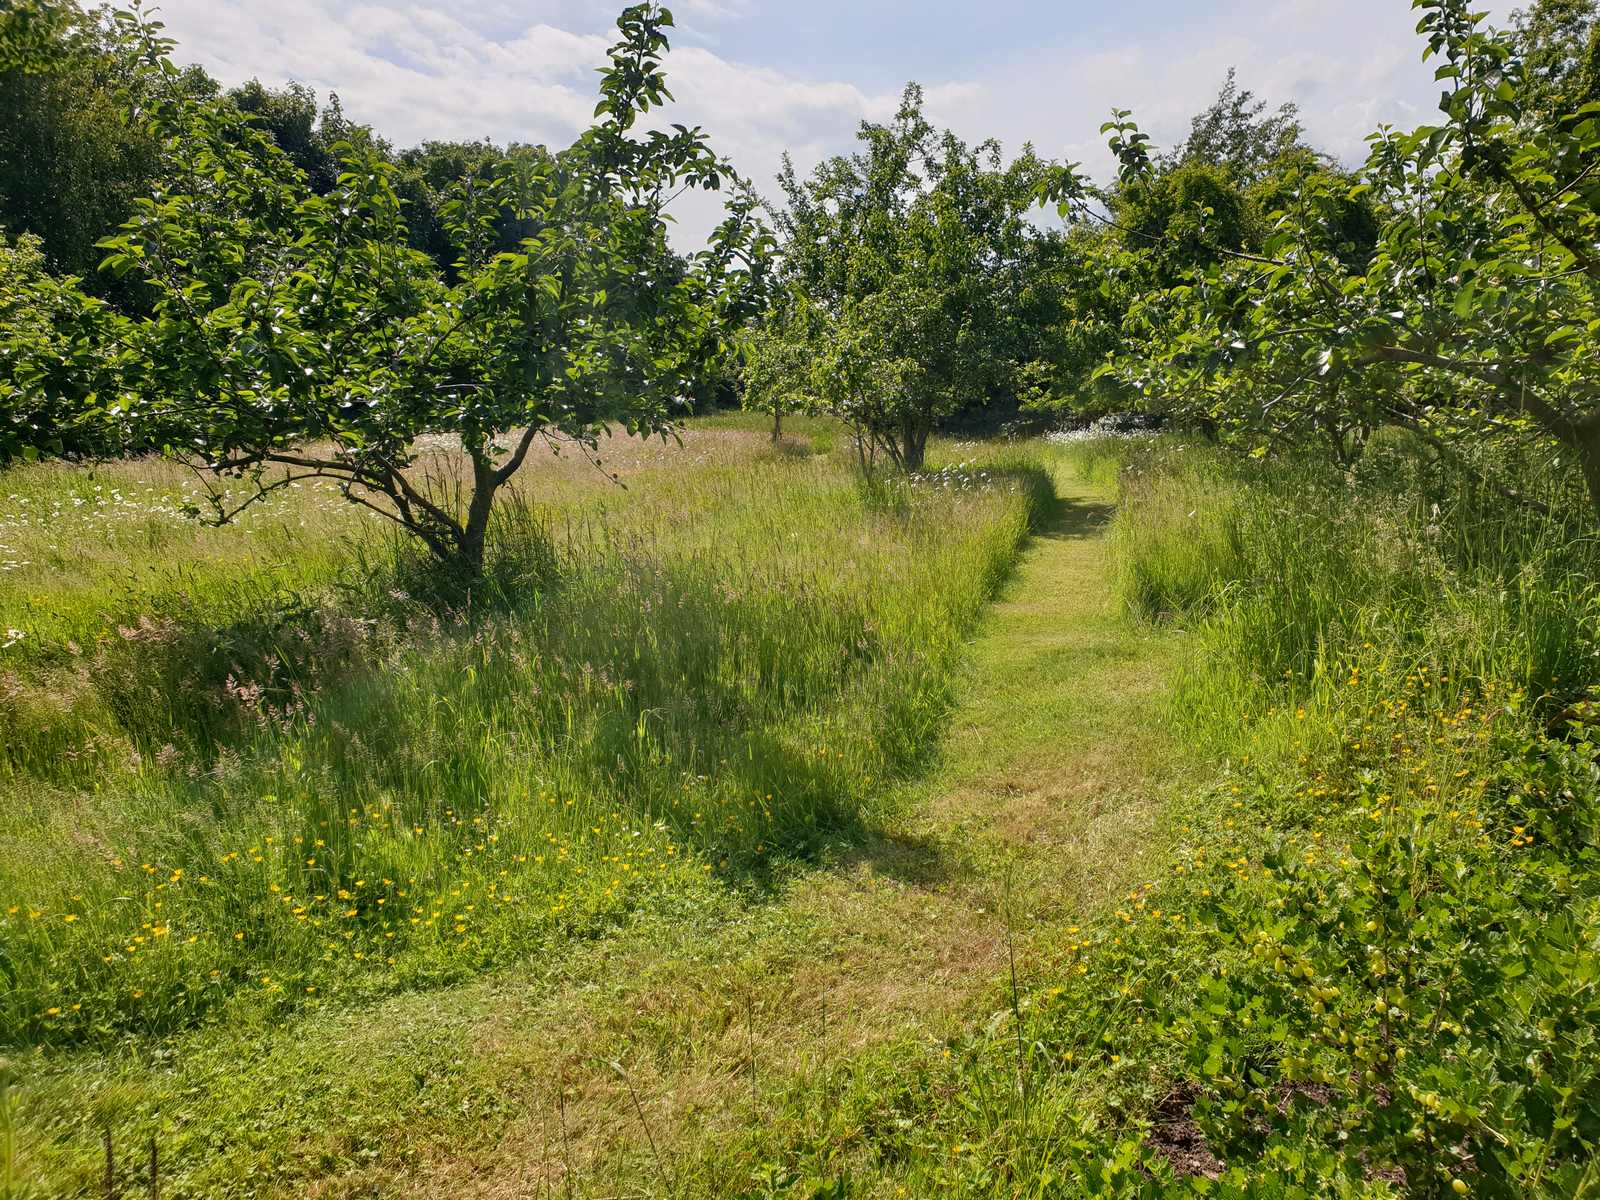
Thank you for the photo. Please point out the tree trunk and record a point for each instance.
(1588, 450)
(1336, 432)
(469, 559)
(777, 425)
(1338, 443)
(475, 530)
(862, 446)
(913, 444)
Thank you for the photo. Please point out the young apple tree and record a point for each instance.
(1476, 315)
(905, 266)
(293, 335)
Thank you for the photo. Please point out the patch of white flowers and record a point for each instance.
(960, 477)
(1111, 428)
(1068, 437)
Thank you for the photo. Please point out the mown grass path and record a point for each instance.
(1046, 800)
(681, 1055)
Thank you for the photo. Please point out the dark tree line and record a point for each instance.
(74, 155)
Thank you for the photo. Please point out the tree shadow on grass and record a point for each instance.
(836, 833)
(1074, 520)
(916, 860)
(912, 860)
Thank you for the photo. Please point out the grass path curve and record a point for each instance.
(684, 1055)
(1047, 795)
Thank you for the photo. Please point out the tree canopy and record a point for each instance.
(289, 330)
(74, 150)
(907, 267)
(1238, 133)
(1473, 315)
(290, 296)
(1558, 43)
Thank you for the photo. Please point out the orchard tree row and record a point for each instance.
(1242, 283)
(267, 290)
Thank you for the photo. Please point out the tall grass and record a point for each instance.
(1368, 966)
(1302, 582)
(355, 788)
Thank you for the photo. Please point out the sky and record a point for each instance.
(766, 76)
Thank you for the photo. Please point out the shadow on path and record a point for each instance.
(1074, 520)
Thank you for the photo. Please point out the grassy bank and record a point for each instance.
(245, 799)
(729, 1010)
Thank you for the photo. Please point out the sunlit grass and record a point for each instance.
(331, 788)
(1366, 967)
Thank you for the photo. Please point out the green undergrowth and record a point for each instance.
(1371, 965)
(350, 791)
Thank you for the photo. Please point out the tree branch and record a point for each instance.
(514, 463)
(1583, 255)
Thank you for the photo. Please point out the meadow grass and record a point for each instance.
(1303, 581)
(722, 1004)
(1369, 964)
(1356, 953)
(245, 797)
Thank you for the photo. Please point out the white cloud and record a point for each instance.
(717, 9)
(420, 69)
(1350, 65)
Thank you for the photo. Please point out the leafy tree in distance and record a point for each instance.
(906, 262)
(298, 335)
(1163, 218)
(1238, 133)
(74, 152)
(426, 176)
(303, 129)
(774, 362)
(737, 272)
(1558, 43)
(1185, 216)
(50, 358)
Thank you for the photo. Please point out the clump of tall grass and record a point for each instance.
(1297, 577)
(1177, 538)
(1097, 458)
(719, 668)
